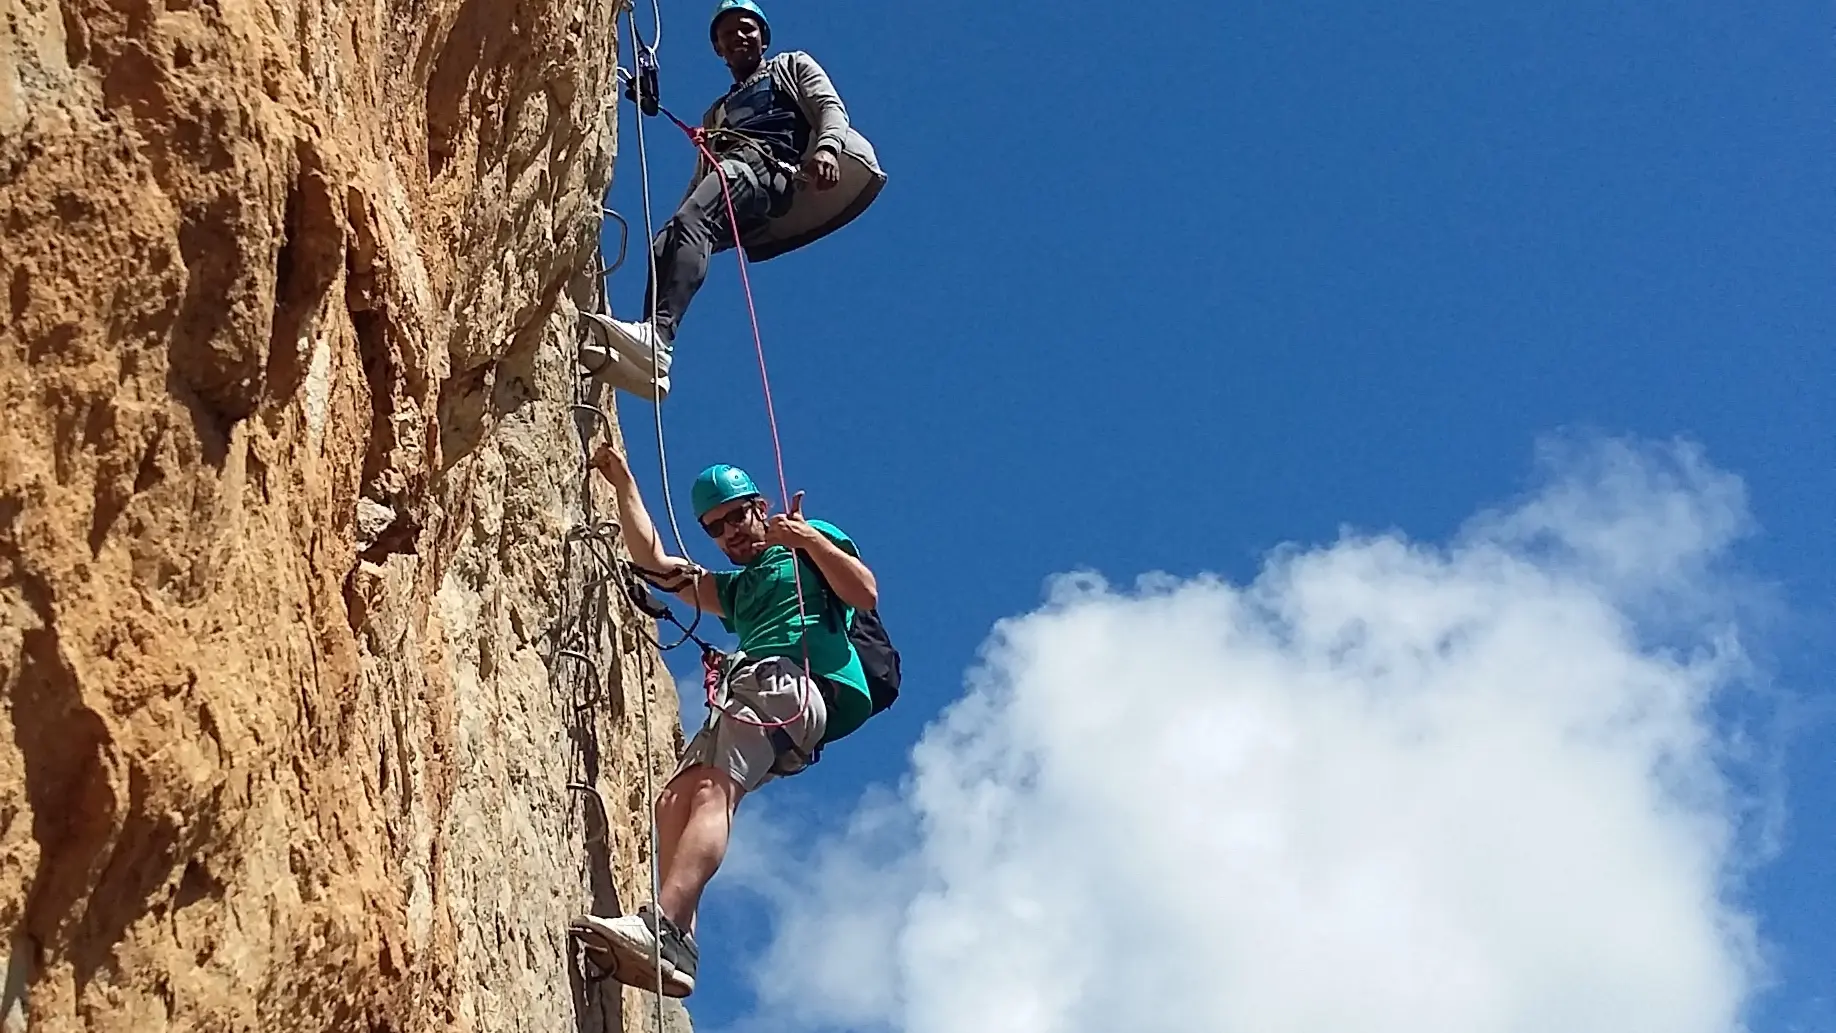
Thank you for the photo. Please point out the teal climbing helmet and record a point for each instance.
(727, 6)
(718, 485)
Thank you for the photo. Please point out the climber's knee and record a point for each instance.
(694, 782)
(689, 227)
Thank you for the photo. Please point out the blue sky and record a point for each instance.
(1164, 287)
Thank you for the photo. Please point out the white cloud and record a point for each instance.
(1386, 787)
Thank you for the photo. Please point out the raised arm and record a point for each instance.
(675, 574)
(846, 574)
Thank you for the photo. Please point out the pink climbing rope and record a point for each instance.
(699, 137)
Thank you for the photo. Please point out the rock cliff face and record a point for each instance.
(288, 468)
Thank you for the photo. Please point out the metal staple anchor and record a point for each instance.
(592, 699)
(595, 410)
(624, 236)
(605, 814)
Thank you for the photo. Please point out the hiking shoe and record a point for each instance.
(618, 371)
(632, 942)
(639, 342)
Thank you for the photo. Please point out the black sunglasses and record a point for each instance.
(718, 528)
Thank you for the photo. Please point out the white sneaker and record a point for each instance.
(638, 342)
(633, 942)
(621, 373)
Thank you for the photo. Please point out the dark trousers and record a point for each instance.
(699, 230)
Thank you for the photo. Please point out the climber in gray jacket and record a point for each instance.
(796, 169)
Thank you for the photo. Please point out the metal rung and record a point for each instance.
(595, 410)
(593, 666)
(605, 814)
(624, 238)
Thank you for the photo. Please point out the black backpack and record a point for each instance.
(879, 657)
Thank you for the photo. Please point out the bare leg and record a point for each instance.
(694, 822)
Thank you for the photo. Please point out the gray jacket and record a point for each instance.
(813, 214)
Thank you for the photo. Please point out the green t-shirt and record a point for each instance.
(760, 603)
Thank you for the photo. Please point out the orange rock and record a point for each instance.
(265, 267)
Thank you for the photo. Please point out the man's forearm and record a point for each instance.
(640, 534)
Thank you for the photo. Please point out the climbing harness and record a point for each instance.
(717, 681)
(716, 665)
(719, 142)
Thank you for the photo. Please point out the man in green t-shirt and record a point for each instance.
(795, 685)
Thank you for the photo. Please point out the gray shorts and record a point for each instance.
(768, 690)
